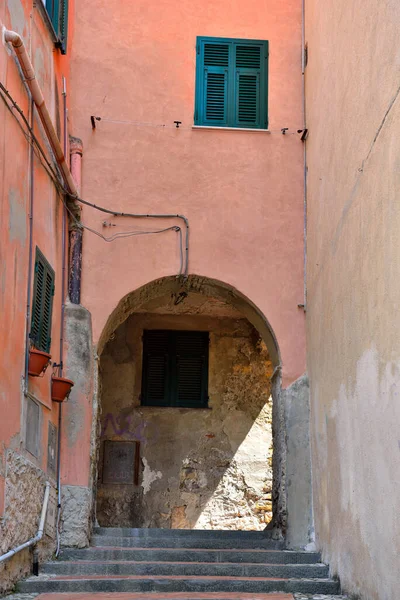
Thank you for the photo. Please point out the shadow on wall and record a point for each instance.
(204, 468)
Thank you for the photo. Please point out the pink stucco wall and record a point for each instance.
(22, 17)
(133, 65)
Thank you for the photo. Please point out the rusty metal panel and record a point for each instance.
(119, 462)
(50, 526)
(52, 449)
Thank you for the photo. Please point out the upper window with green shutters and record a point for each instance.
(231, 83)
(42, 305)
(57, 11)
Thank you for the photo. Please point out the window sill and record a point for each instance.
(248, 129)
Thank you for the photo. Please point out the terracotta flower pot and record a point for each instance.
(38, 362)
(60, 388)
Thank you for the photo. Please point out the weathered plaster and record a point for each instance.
(76, 514)
(148, 476)
(201, 469)
(77, 455)
(17, 217)
(353, 113)
(298, 464)
(18, 16)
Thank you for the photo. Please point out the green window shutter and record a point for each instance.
(53, 10)
(212, 84)
(63, 25)
(42, 304)
(191, 369)
(175, 368)
(58, 13)
(248, 85)
(231, 83)
(155, 372)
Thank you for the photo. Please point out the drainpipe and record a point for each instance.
(76, 232)
(303, 75)
(30, 78)
(63, 262)
(30, 254)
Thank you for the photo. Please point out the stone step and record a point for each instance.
(185, 568)
(191, 555)
(164, 596)
(184, 542)
(108, 583)
(178, 533)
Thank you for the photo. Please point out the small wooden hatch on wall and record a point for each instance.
(121, 462)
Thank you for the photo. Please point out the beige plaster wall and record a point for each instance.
(353, 114)
(200, 468)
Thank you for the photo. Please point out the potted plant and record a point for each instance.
(38, 362)
(60, 386)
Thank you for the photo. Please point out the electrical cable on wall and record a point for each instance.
(93, 119)
(55, 176)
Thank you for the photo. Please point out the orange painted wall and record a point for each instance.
(133, 65)
(27, 20)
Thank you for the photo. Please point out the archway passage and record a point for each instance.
(186, 410)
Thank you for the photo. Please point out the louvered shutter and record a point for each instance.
(213, 106)
(156, 376)
(53, 10)
(249, 65)
(231, 83)
(191, 369)
(63, 25)
(175, 368)
(42, 304)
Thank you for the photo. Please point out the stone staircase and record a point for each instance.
(182, 564)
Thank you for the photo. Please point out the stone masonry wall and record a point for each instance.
(199, 468)
(25, 485)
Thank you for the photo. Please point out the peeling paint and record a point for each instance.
(17, 15)
(149, 476)
(17, 220)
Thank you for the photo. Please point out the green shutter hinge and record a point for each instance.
(198, 48)
(36, 266)
(53, 290)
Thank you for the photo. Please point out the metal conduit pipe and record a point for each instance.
(76, 233)
(29, 74)
(33, 541)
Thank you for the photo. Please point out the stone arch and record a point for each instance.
(149, 295)
(172, 291)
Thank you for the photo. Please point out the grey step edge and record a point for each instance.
(306, 586)
(187, 555)
(178, 568)
(183, 542)
(193, 533)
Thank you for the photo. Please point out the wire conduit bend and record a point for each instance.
(70, 187)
